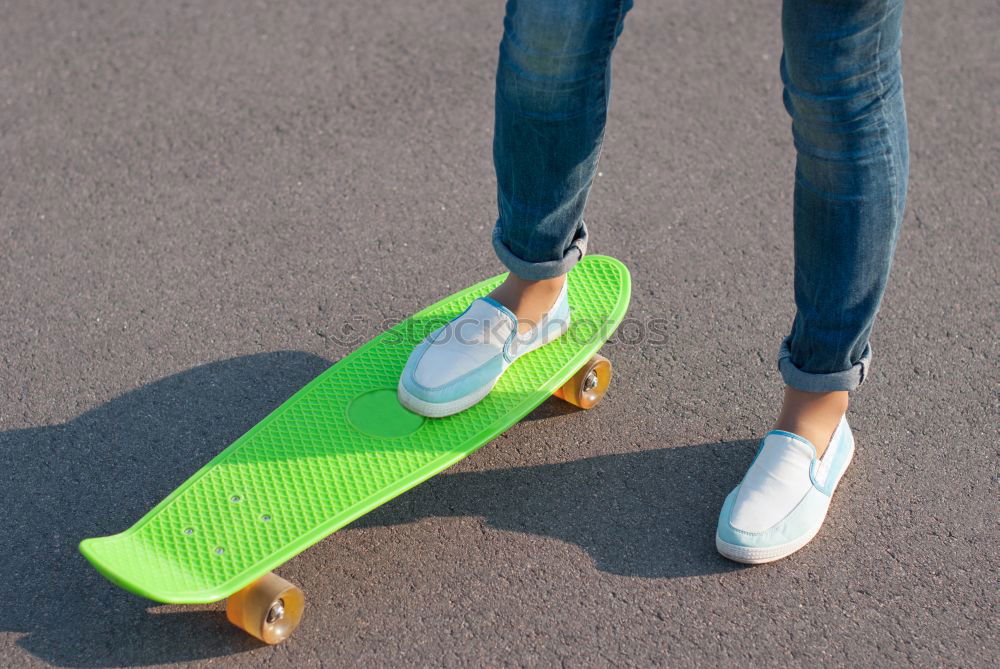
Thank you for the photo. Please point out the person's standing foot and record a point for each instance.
(782, 501)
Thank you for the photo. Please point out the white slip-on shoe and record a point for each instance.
(782, 501)
(457, 365)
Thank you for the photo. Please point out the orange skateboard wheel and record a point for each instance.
(586, 388)
(270, 608)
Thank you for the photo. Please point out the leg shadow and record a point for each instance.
(649, 514)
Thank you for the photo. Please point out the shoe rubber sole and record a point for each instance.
(441, 409)
(760, 555)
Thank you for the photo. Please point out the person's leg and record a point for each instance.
(552, 88)
(844, 92)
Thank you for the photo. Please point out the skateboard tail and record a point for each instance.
(133, 574)
(94, 550)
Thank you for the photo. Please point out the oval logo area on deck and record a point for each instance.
(378, 413)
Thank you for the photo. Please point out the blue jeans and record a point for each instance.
(844, 91)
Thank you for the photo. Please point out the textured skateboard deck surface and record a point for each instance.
(338, 448)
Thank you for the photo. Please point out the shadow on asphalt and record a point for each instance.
(647, 514)
(641, 514)
(99, 473)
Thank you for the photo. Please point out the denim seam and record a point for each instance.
(880, 96)
(888, 153)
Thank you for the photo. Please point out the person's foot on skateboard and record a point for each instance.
(457, 365)
(782, 501)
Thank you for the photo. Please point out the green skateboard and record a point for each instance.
(337, 449)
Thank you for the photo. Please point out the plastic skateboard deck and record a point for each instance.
(338, 448)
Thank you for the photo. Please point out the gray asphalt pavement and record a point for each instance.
(194, 196)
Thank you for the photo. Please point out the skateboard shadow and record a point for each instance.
(646, 514)
(96, 475)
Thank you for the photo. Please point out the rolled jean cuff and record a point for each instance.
(849, 379)
(547, 269)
